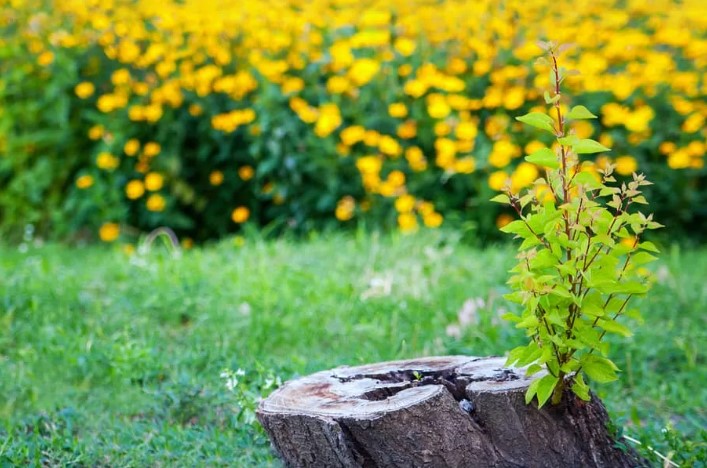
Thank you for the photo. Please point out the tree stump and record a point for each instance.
(452, 411)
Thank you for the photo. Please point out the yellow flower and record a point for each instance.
(425, 208)
(524, 175)
(405, 69)
(390, 146)
(151, 149)
(405, 203)
(338, 84)
(503, 219)
(352, 135)
(502, 153)
(155, 202)
(583, 128)
(107, 161)
(466, 131)
(397, 110)
(96, 132)
(667, 147)
(154, 181)
(416, 159)
(438, 108)
(134, 189)
(456, 66)
(84, 182)
(693, 123)
(696, 148)
(216, 178)
(543, 193)
(84, 90)
(328, 121)
(415, 88)
(432, 220)
(195, 110)
(120, 77)
(396, 178)
(110, 102)
(626, 165)
(629, 242)
(442, 128)
(109, 232)
(679, 159)
(371, 138)
(465, 165)
(246, 173)
(240, 215)
(45, 58)
(131, 147)
(407, 222)
(292, 85)
(363, 70)
(405, 46)
(534, 146)
(345, 208)
(407, 129)
(606, 140)
(514, 98)
(498, 180)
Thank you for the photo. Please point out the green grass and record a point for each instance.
(112, 360)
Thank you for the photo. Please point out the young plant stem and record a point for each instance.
(562, 358)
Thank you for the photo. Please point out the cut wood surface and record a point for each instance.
(451, 411)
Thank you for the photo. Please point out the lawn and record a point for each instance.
(111, 359)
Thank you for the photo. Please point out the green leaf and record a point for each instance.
(530, 354)
(532, 390)
(544, 259)
(516, 297)
(649, 246)
(609, 191)
(510, 317)
(599, 368)
(612, 326)
(550, 100)
(634, 314)
(538, 120)
(544, 157)
(569, 140)
(631, 287)
(560, 292)
(524, 355)
(580, 388)
(593, 304)
(502, 198)
(533, 369)
(530, 321)
(641, 258)
(588, 146)
(580, 112)
(529, 242)
(545, 387)
(585, 178)
(517, 227)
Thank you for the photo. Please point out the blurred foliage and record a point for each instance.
(119, 116)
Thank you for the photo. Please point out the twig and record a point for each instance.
(651, 449)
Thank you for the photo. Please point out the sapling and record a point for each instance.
(581, 258)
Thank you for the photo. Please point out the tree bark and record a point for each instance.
(452, 411)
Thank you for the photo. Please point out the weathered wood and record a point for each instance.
(452, 411)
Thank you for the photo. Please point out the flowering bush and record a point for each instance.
(204, 115)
